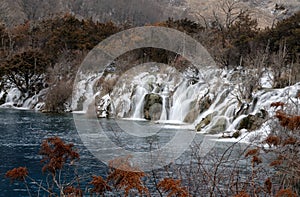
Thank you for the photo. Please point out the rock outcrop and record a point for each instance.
(253, 122)
(153, 106)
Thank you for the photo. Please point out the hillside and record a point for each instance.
(264, 11)
(140, 11)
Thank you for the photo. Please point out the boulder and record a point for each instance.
(253, 122)
(152, 106)
(204, 122)
(219, 126)
(236, 134)
(197, 108)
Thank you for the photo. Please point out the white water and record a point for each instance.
(84, 93)
(178, 96)
(178, 99)
(139, 102)
(13, 96)
(164, 113)
(183, 97)
(14, 99)
(177, 110)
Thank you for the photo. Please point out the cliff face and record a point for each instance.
(138, 11)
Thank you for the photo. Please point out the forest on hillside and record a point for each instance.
(47, 53)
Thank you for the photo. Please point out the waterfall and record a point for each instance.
(15, 99)
(182, 99)
(89, 94)
(139, 101)
(218, 100)
(83, 93)
(178, 97)
(213, 108)
(165, 104)
(235, 123)
(30, 102)
(164, 113)
(13, 96)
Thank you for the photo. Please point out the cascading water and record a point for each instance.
(14, 98)
(165, 104)
(183, 97)
(84, 93)
(178, 97)
(30, 102)
(139, 102)
(215, 106)
(89, 94)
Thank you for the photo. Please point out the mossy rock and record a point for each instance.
(246, 123)
(197, 108)
(219, 126)
(204, 122)
(253, 122)
(155, 111)
(205, 103)
(152, 106)
(236, 134)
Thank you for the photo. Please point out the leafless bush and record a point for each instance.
(57, 97)
(284, 143)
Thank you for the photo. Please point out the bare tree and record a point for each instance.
(227, 12)
(280, 66)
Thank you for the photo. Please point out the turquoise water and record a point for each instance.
(21, 133)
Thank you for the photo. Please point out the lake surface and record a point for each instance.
(21, 134)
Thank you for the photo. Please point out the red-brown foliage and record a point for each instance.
(73, 192)
(173, 187)
(282, 117)
(17, 174)
(298, 95)
(288, 121)
(285, 193)
(277, 104)
(252, 152)
(272, 140)
(242, 194)
(100, 185)
(124, 176)
(268, 185)
(278, 161)
(256, 160)
(290, 141)
(55, 154)
(294, 123)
